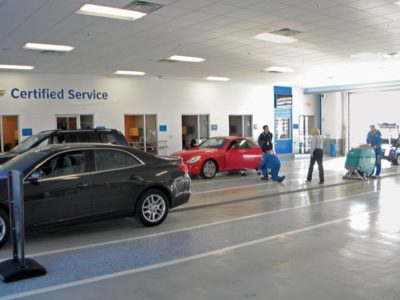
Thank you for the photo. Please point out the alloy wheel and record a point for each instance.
(154, 208)
(209, 169)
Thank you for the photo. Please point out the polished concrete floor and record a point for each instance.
(238, 238)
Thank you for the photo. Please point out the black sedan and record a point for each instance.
(71, 183)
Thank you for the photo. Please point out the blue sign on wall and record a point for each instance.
(214, 127)
(295, 126)
(26, 131)
(163, 128)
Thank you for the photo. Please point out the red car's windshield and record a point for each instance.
(216, 143)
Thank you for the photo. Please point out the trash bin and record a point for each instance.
(332, 150)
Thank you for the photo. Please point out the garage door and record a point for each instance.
(371, 108)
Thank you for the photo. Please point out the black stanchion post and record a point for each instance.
(18, 267)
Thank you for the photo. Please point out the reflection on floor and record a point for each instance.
(237, 238)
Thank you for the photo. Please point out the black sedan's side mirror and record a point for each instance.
(36, 175)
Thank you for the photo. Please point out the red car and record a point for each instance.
(221, 154)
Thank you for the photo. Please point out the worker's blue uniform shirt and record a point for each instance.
(272, 162)
(375, 140)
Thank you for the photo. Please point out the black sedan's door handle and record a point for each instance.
(82, 185)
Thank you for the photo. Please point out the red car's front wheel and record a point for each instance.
(209, 169)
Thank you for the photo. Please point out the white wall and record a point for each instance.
(168, 99)
(332, 120)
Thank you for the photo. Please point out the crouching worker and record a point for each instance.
(272, 162)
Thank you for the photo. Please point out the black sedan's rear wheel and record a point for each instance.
(208, 169)
(152, 207)
(4, 227)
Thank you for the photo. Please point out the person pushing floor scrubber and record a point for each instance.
(374, 139)
(361, 161)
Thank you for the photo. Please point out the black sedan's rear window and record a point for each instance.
(113, 159)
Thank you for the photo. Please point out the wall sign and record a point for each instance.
(26, 131)
(163, 128)
(214, 127)
(63, 94)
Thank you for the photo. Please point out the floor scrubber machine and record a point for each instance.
(360, 162)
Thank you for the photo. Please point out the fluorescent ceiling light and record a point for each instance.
(109, 12)
(274, 38)
(134, 73)
(279, 69)
(48, 47)
(215, 78)
(186, 58)
(16, 67)
(391, 55)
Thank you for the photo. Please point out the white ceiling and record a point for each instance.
(218, 30)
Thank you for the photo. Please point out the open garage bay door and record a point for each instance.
(370, 108)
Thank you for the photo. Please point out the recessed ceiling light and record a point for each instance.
(279, 69)
(133, 73)
(186, 58)
(16, 67)
(274, 38)
(215, 78)
(109, 12)
(48, 47)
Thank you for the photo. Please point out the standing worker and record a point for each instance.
(374, 139)
(317, 154)
(265, 139)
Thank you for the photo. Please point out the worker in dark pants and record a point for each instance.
(317, 154)
(374, 139)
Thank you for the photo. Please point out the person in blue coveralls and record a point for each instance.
(272, 162)
(374, 139)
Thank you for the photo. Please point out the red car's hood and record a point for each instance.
(186, 154)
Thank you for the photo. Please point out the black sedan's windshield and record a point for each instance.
(22, 162)
(216, 143)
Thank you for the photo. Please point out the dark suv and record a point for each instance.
(60, 136)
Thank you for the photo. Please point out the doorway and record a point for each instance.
(195, 129)
(306, 123)
(9, 137)
(141, 132)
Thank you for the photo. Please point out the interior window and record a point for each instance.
(113, 159)
(64, 164)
